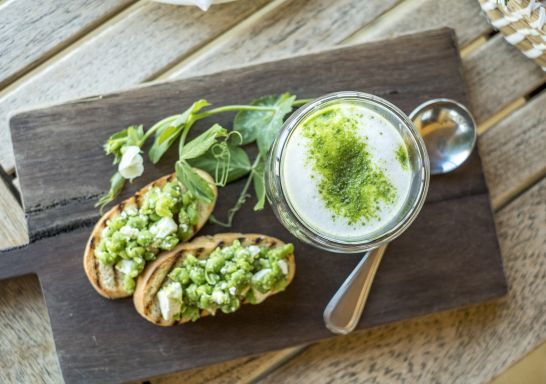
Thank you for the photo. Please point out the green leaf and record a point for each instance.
(116, 185)
(195, 183)
(202, 143)
(259, 185)
(169, 129)
(263, 126)
(227, 164)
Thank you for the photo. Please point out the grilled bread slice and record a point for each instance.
(156, 273)
(106, 279)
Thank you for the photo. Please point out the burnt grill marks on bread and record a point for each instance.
(199, 251)
(220, 244)
(96, 268)
(241, 239)
(258, 240)
(92, 243)
(115, 275)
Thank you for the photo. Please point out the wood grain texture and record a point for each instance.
(245, 370)
(515, 151)
(31, 30)
(28, 353)
(128, 50)
(465, 346)
(411, 16)
(84, 338)
(497, 74)
(13, 227)
(296, 27)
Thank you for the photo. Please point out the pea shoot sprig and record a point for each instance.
(218, 151)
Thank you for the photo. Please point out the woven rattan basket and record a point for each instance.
(523, 24)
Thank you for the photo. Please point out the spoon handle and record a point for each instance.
(344, 310)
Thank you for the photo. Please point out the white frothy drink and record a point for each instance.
(301, 179)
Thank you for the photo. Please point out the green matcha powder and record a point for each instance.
(350, 184)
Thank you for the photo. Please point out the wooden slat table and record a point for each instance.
(57, 50)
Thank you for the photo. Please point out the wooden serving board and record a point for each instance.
(448, 258)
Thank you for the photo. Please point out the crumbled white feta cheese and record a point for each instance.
(170, 300)
(254, 250)
(284, 266)
(164, 227)
(232, 291)
(219, 297)
(131, 210)
(125, 266)
(104, 232)
(129, 231)
(260, 274)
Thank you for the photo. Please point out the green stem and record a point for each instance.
(300, 102)
(233, 108)
(156, 126)
(184, 135)
(242, 197)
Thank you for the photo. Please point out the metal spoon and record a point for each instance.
(449, 132)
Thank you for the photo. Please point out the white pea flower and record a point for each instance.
(131, 164)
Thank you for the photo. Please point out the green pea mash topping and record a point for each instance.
(166, 217)
(350, 184)
(226, 278)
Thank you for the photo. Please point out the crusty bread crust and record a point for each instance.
(155, 273)
(106, 280)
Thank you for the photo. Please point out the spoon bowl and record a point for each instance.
(449, 132)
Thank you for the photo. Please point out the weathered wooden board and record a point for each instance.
(95, 338)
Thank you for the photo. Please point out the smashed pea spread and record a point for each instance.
(351, 185)
(228, 277)
(166, 217)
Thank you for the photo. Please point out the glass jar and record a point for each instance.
(418, 162)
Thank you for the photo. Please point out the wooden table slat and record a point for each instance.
(245, 370)
(496, 74)
(464, 16)
(514, 151)
(294, 28)
(129, 50)
(33, 29)
(26, 347)
(13, 227)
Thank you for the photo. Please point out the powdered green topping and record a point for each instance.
(402, 156)
(351, 185)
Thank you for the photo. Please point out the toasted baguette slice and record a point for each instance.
(106, 279)
(155, 274)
